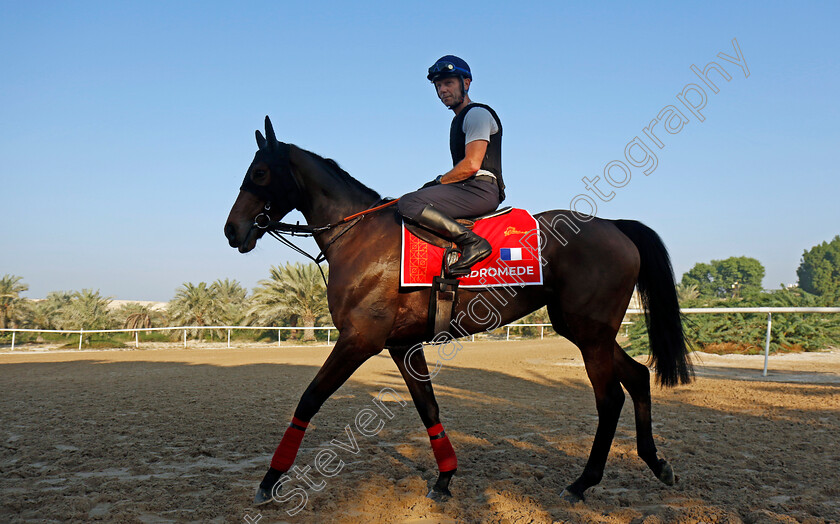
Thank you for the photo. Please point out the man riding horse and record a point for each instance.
(474, 185)
(589, 278)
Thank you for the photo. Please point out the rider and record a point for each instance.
(474, 185)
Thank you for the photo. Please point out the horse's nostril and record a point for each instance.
(230, 233)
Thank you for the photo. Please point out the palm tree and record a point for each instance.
(195, 305)
(24, 313)
(48, 313)
(137, 316)
(294, 292)
(231, 296)
(687, 292)
(87, 310)
(10, 300)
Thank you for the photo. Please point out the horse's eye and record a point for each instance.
(260, 176)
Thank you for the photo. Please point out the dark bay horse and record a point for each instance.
(590, 268)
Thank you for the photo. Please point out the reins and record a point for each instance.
(278, 229)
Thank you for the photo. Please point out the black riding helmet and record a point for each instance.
(450, 66)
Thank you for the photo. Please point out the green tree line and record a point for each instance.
(293, 295)
(736, 282)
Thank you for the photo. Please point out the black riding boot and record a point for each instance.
(473, 247)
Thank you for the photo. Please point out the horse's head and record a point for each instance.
(269, 187)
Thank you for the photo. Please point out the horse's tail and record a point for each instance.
(668, 350)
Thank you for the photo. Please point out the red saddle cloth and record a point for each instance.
(515, 259)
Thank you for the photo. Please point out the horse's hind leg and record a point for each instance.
(595, 341)
(636, 379)
(609, 398)
(415, 372)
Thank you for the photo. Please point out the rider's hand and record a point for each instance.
(434, 182)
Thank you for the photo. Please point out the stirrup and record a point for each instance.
(450, 258)
(463, 271)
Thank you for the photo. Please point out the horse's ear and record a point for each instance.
(260, 140)
(269, 133)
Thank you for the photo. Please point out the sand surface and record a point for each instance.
(176, 435)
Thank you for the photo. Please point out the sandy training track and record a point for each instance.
(179, 435)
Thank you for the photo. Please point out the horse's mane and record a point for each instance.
(341, 175)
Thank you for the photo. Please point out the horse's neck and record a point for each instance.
(327, 196)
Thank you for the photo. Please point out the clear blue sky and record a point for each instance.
(127, 126)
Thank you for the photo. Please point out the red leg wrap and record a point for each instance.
(286, 452)
(444, 454)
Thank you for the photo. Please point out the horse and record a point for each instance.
(590, 269)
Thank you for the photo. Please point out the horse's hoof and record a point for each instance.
(667, 474)
(439, 494)
(570, 497)
(262, 497)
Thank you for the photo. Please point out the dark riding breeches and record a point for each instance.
(469, 198)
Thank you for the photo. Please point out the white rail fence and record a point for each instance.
(768, 310)
(185, 329)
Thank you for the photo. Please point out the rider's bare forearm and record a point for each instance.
(462, 171)
(467, 167)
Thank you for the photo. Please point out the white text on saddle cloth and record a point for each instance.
(515, 259)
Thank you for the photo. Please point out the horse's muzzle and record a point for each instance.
(243, 243)
(230, 233)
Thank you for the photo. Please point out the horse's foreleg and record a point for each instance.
(415, 372)
(348, 354)
(609, 399)
(636, 379)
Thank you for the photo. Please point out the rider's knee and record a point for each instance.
(410, 207)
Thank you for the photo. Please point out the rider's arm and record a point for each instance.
(469, 165)
(478, 125)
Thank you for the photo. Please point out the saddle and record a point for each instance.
(444, 290)
(432, 238)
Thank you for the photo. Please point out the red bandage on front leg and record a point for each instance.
(286, 452)
(444, 454)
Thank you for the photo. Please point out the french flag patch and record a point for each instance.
(510, 253)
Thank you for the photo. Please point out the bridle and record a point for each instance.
(289, 190)
(280, 230)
